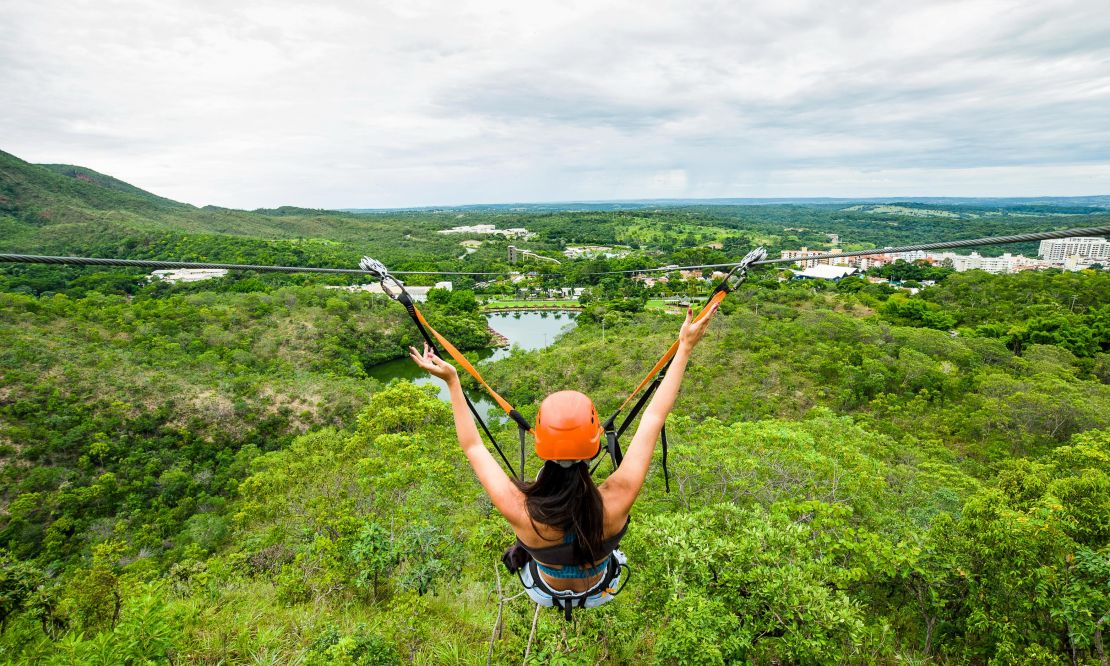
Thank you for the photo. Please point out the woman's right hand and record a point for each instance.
(693, 331)
(434, 364)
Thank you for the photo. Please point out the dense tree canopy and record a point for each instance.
(205, 473)
(844, 488)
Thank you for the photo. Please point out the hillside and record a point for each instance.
(73, 210)
(204, 473)
(87, 175)
(43, 196)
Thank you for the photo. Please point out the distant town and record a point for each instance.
(1070, 254)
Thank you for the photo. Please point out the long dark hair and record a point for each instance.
(566, 498)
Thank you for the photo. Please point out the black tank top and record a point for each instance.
(562, 554)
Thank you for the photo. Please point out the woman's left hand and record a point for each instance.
(693, 331)
(434, 364)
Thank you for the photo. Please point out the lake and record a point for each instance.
(525, 330)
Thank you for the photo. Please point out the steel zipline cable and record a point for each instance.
(145, 263)
(169, 265)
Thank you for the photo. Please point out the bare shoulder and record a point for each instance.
(511, 505)
(615, 489)
(615, 497)
(539, 536)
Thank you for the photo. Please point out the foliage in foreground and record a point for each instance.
(784, 542)
(137, 418)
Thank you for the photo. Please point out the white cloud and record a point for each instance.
(410, 102)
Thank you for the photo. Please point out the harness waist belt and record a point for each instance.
(562, 554)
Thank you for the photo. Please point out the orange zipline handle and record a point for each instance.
(466, 365)
(666, 358)
(654, 377)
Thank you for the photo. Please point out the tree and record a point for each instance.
(18, 582)
(95, 594)
(374, 556)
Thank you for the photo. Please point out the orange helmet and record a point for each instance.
(567, 427)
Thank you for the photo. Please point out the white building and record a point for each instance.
(803, 254)
(187, 274)
(489, 229)
(1094, 248)
(419, 294)
(1007, 263)
(593, 251)
(473, 229)
(863, 263)
(823, 272)
(908, 256)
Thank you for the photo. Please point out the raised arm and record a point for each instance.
(505, 495)
(622, 486)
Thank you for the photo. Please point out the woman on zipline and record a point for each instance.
(568, 529)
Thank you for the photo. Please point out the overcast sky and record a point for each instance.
(420, 102)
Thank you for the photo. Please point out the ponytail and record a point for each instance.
(566, 498)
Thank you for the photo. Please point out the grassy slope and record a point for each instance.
(746, 435)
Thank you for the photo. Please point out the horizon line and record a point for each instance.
(932, 198)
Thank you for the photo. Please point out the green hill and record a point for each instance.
(86, 175)
(57, 199)
(65, 209)
(43, 195)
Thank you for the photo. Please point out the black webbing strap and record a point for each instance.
(522, 432)
(613, 444)
(612, 447)
(614, 433)
(405, 300)
(642, 402)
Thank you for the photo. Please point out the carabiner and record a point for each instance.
(374, 266)
(396, 283)
(378, 270)
(739, 272)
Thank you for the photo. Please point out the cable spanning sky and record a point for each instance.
(337, 104)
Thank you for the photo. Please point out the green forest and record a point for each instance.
(205, 473)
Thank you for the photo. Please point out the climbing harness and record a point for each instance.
(527, 563)
(601, 591)
(733, 279)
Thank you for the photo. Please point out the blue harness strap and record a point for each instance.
(572, 571)
(561, 554)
